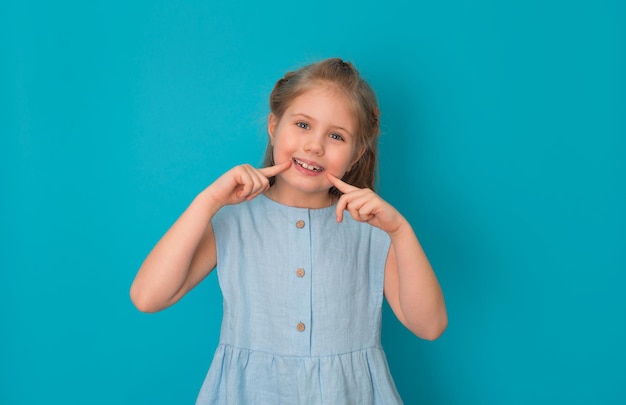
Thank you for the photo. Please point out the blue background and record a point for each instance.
(503, 143)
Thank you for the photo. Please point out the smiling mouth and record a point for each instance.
(316, 169)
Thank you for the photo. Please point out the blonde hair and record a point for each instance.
(344, 76)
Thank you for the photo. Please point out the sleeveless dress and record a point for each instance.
(302, 308)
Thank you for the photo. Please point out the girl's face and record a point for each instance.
(317, 134)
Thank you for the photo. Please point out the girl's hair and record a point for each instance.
(343, 76)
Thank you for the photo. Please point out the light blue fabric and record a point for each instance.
(263, 357)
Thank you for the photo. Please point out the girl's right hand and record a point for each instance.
(243, 183)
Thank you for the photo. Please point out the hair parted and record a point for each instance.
(343, 76)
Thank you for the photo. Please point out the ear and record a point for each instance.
(272, 122)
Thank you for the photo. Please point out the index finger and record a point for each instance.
(340, 184)
(272, 171)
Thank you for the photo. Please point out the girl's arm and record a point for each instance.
(180, 260)
(411, 287)
(186, 254)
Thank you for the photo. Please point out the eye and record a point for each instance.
(303, 125)
(336, 136)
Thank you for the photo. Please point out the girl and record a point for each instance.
(302, 280)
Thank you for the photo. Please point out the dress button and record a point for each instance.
(300, 272)
(300, 224)
(300, 327)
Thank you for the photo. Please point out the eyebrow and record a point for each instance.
(308, 117)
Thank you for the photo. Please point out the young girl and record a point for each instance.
(302, 280)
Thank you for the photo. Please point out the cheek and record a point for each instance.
(343, 163)
(354, 157)
(281, 150)
(277, 145)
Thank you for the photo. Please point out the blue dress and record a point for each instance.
(302, 308)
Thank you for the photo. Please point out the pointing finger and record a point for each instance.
(340, 184)
(276, 169)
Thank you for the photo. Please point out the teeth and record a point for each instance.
(308, 167)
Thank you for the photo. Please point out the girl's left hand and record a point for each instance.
(364, 205)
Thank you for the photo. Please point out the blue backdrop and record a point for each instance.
(503, 143)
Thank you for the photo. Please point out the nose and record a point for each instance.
(314, 144)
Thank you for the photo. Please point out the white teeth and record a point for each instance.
(308, 167)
